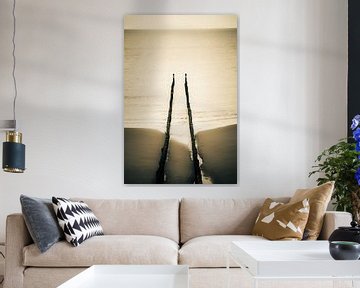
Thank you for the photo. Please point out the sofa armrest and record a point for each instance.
(17, 237)
(333, 220)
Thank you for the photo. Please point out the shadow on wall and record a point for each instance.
(306, 91)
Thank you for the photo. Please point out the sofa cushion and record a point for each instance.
(107, 249)
(279, 221)
(41, 221)
(211, 251)
(158, 217)
(200, 217)
(319, 198)
(77, 220)
(35, 277)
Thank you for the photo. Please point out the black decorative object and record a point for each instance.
(345, 233)
(344, 250)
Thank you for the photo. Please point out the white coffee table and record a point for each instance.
(300, 260)
(131, 276)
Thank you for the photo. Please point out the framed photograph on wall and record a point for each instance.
(180, 99)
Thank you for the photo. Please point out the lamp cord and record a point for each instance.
(14, 61)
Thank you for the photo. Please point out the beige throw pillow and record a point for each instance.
(319, 198)
(279, 221)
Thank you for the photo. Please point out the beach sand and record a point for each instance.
(179, 167)
(142, 154)
(218, 149)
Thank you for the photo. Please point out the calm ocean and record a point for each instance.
(209, 57)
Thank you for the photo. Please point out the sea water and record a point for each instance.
(208, 56)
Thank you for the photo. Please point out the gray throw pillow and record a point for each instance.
(41, 221)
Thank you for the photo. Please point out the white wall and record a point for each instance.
(292, 94)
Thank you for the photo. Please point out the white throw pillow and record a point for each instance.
(77, 220)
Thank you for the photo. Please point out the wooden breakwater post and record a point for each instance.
(197, 171)
(160, 173)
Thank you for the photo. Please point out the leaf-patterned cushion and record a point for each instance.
(279, 221)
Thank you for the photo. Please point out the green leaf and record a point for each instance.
(338, 163)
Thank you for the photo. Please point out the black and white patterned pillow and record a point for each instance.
(77, 220)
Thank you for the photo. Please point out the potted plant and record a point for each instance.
(341, 163)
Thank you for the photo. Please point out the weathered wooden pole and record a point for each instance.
(197, 171)
(160, 173)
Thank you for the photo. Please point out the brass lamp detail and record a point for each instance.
(13, 136)
(13, 153)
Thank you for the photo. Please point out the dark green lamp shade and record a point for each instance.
(13, 155)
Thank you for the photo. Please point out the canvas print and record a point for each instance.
(180, 99)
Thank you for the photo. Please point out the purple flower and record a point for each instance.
(356, 134)
(357, 176)
(355, 122)
(357, 147)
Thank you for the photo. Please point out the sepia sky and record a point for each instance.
(160, 22)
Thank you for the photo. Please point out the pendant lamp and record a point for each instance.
(13, 160)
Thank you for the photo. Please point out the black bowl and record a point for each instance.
(344, 250)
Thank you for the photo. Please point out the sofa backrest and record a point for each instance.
(200, 217)
(159, 217)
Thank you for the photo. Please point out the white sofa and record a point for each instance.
(194, 232)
